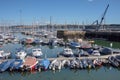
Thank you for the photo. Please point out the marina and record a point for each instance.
(60, 55)
(59, 40)
(59, 64)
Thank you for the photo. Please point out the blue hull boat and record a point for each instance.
(5, 65)
(43, 64)
(16, 64)
(75, 45)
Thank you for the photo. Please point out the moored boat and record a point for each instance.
(4, 54)
(118, 58)
(29, 63)
(43, 64)
(37, 41)
(113, 61)
(90, 64)
(21, 54)
(37, 52)
(65, 63)
(81, 53)
(74, 45)
(105, 51)
(1, 39)
(5, 65)
(67, 52)
(84, 63)
(55, 65)
(74, 64)
(95, 53)
(29, 40)
(53, 41)
(97, 62)
(16, 64)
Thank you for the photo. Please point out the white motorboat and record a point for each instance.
(55, 65)
(95, 53)
(21, 54)
(4, 54)
(65, 63)
(15, 40)
(67, 52)
(37, 52)
(1, 39)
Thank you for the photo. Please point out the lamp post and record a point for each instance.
(111, 47)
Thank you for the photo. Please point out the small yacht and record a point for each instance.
(43, 64)
(67, 52)
(21, 54)
(29, 40)
(5, 65)
(75, 45)
(16, 64)
(29, 63)
(37, 52)
(4, 54)
(55, 65)
(95, 53)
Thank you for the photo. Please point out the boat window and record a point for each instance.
(38, 50)
(20, 53)
(34, 50)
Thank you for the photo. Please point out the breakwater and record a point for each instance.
(109, 35)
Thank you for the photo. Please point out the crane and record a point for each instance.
(102, 18)
(96, 21)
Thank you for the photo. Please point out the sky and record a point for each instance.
(60, 11)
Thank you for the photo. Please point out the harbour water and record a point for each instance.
(101, 73)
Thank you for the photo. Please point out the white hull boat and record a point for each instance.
(37, 52)
(21, 54)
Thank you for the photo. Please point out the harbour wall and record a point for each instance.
(108, 35)
(70, 34)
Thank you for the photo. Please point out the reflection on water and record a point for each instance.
(101, 73)
(13, 48)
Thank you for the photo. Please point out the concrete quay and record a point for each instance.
(103, 57)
